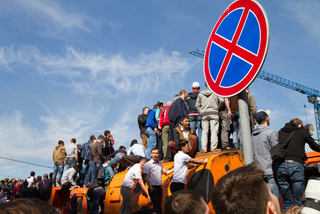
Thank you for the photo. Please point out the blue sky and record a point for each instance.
(76, 68)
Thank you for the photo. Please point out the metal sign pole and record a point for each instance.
(245, 127)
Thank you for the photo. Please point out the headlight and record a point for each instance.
(309, 128)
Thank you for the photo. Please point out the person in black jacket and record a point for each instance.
(107, 147)
(291, 171)
(142, 120)
(194, 116)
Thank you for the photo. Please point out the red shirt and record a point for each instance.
(15, 190)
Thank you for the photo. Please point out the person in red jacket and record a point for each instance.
(164, 127)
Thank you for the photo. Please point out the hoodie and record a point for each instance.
(263, 139)
(191, 102)
(295, 147)
(59, 154)
(151, 120)
(208, 104)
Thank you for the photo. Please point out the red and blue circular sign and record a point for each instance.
(236, 48)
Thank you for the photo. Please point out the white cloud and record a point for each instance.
(7, 56)
(99, 74)
(62, 124)
(50, 12)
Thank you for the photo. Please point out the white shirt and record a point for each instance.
(70, 150)
(132, 176)
(137, 149)
(155, 171)
(68, 176)
(30, 180)
(185, 133)
(180, 167)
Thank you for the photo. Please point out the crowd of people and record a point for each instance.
(202, 118)
(195, 122)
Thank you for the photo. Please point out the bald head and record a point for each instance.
(169, 103)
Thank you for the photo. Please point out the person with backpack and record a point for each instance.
(291, 172)
(164, 124)
(42, 187)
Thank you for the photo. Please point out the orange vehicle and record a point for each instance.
(200, 179)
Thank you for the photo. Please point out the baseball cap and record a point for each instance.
(159, 102)
(195, 85)
(261, 115)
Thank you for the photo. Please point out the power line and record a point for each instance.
(34, 164)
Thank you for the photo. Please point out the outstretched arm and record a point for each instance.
(199, 161)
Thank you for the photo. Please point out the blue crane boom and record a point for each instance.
(313, 95)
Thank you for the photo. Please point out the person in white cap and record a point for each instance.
(263, 139)
(194, 116)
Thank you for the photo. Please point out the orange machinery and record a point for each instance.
(313, 158)
(200, 179)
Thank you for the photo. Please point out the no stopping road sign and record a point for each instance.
(236, 48)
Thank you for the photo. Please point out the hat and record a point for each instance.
(195, 85)
(159, 102)
(261, 115)
(45, 175)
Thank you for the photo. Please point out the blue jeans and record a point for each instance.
(70, 163)
(90, 173)
(269, 179)
(291, 174)
(195, 124)
(98, 197)
(236, 135)
(114, 161)
(85, 164)
(58, 170)
(152, 141)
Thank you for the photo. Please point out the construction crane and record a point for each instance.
(313, 95)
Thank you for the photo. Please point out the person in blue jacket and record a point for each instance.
(151, 131)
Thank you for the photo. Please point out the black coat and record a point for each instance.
(295, 148)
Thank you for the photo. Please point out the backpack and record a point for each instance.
(103, 176)
(278, 152)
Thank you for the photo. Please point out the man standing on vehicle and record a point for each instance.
(194, 116)
(59, 155)
(152, 172)
(72, 155)
(291, 171)
(96, 149)
(142, 119)
(208, 105)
